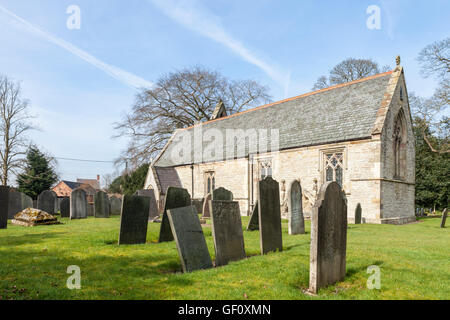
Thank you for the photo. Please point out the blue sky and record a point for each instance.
(79, 82)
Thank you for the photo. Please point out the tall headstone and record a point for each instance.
(444, 218)
(269, 216)
(328, 237)
(188, 235)
(222, 194)
(90, 209)
(18, 202)
(115, 205)
(153, 213)
(46, 201)
(358, 214)
(4, 202)
(134, 220)
(227, 231)
(101, 205)
(205, 212)
(78, 204)
(253, 223)
(296, 219)
(175, 198)
(64, 208)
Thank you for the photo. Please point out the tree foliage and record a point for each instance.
(130, 183)
(38, 175)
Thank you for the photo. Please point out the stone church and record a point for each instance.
(358, 134)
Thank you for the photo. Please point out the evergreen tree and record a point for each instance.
(38, 174)
(130, 183)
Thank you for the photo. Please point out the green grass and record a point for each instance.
(414, 261)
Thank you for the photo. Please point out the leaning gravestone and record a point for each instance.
(134, 220)
(188, 235)
(153, 213)
(227, 231)
(175, 198)
(101, 205)
(269, 216)
(253, 223)
(115, 205)
(358, 214)
(78, 204)
(205, 212)
(296, 219)
(18, 201)
(64, 208)
(222, 194)
(4, 202)
(444, 218)
(46, 201)
(328, 237)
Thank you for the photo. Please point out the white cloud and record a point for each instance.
(123, 76)
(195, 17)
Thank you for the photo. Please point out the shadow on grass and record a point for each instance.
(32, 238)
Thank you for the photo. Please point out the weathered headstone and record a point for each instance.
(4, 202)
(358, 214)
(153, 213)
(253, 223)
(296, 219)
(188, 235)
(198, 203)
(18, 201)
(227, 231)
(34, 217)
(444, 218)
(90, 209)
(134, 220)
(222, 194)
(205, 212)
(328, 237)
(269, 216)
(64, 208)
(175, 198)
(46, 201)
(101, 205)
(78, 204)
(115, 205)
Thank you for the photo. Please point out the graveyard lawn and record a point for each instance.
(413, 259)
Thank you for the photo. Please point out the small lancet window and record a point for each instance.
(399, 146)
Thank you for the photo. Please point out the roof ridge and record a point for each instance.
(379, 75)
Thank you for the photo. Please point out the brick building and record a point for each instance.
(358, 134)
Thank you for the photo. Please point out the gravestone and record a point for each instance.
(18, 201)
(101, 205)
(175, 198)
(296, 219)
(46, 201)
(90, 209)
(4, 202)
(198, 203)
(222, 194)
(328, 237)
(444, 218)
(115, 205)
(358, 214)
(153, 213)
(34, 217)
(253, 223)
(64, 208)
(188, 235)
(269, 216)
(78, 204)
(205, 212)
(134, 220)
(227, 231)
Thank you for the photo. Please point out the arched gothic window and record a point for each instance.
(399, 145)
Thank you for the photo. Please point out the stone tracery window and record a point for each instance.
(265, 168)
(334, 167)
(210, 182)
(399, 145)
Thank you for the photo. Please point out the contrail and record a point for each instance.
(207, 24)
(123, 76)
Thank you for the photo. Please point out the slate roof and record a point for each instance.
(72, 185)
(167, 177)
(340, 113)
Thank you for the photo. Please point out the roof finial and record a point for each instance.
(397, 60)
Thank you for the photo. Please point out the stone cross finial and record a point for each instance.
(397, 60)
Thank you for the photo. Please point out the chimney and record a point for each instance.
(98, 178)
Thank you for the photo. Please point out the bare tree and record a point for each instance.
(178, 100)
(349, 70)
(13, 125)
(432, 113)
